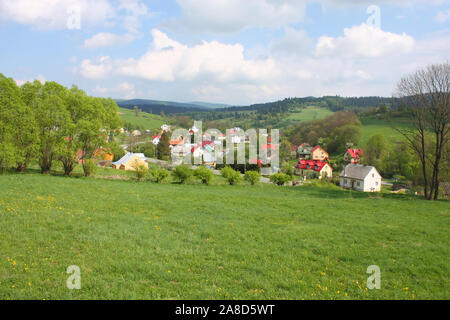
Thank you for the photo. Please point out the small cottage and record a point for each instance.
(353, 156)
(312, 167)
(318, 153)
(361, 178)
(130, 161)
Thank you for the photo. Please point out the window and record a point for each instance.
(376, 183)
(373, 175)
(358, 184)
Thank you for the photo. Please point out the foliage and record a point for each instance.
(287, 168)
(204, 175)
(182, 173)
(158, 175)
(89, 167)
(163, 147)
(280, 178)
(233, 177)
(141, 172)
(148, 149)
(253, 177)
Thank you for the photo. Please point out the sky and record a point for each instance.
(224, 51)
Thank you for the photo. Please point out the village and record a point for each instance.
(313, 161)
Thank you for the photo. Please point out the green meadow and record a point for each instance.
(372, 126)
(139, 240)
(144, 119)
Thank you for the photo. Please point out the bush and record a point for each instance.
(233, 177)
(89, 167)
(204, 174)
(158, 175)
(182, 173)
(253, 177)
(288, 169)
(280, 178)
(141, 172)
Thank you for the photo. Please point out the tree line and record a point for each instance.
(49, 122)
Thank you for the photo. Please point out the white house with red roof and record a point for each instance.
(310, 167)
(319, 153)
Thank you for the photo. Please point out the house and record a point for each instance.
(318, 153)
(177, 141)
(165, 128)
(294, 151)
(156, 140)
(312, 167)
(136, 133)
(130, 161)
(304, 151)
(361, 178)
(353, 156)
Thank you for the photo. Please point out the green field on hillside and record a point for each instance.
(147, 241)
(145, 120)
(372, 126)
(310, 113)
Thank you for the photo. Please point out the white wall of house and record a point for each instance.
(371, 182)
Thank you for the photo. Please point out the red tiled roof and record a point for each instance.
(310, 165)
(315, 148)
(293, 148)
(355, 153)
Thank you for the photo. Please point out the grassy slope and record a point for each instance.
(146, 120)
(372, 126)
(142, 240)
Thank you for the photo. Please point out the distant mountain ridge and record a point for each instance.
(334, 103)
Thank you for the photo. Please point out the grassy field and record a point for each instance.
(147, 241)
(146, 120)
(310, 113)
(372, 126)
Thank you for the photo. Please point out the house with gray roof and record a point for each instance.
(361, 178)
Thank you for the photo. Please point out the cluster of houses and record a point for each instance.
(314, 162)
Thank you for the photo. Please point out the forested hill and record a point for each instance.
(333, 103)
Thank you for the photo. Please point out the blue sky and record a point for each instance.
(228, 51)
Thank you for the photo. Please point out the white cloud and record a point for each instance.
(133, 10)
(54, 14)
(442, 16)
(40, 78)
(362, 61)
(124, 90)
(105, 39)
(364, 42)
(95, 69)
(234, 15)
(168, 60)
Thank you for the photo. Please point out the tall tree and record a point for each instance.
(163, 147)
(427, 94)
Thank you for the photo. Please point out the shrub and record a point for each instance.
(288, 169)
(182, 173)
(141, 172)
(204, 174)
(280, 178)
(233, 177)
(253, 177)
(158, 175)
(89, 167)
